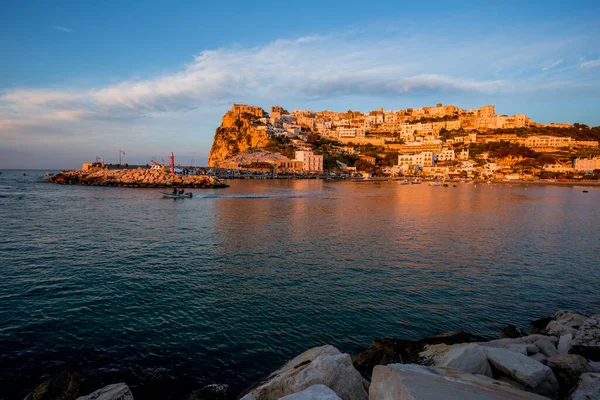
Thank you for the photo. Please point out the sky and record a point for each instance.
(81, 79)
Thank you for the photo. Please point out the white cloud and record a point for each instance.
(591, 64)
(554, 64)
(307, 68)
(63, 29)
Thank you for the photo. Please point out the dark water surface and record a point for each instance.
(169, 295)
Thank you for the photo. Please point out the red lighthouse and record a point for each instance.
(172, 162)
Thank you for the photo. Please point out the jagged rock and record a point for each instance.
(320, 365)
(564, 343)
(315, 392)
(390, 351)
(588, 388)
(537, 377)
(62, 386)
(531, 349)
(415, 382)
(546, 348)
(468, 358)
(570, 319)
(586, 341)
(562, 323)
(511, 332)
(568, 368)
(116, 391)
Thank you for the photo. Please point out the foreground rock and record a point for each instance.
(391, 351)
(116, 391)
(140, 178)
(535, 376)
(316, 392)
(586, 341)
(468, 358)
(568, 368)
(323, 365)
(415, 382)
(64, 386)
(588, 388)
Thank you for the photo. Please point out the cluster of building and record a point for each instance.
(422, 136)
(404, 124)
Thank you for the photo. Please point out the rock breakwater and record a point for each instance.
(137, 178)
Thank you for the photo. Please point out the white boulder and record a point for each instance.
(116, 391)
(323, 365)
(564, 343)
(467, 358)
(537, 377)
(315, 392)
(415, 382)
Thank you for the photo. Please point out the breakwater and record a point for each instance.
(139, 178)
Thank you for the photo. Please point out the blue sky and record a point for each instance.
(80, 79)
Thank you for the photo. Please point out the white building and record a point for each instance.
(586, 164)
(312, 162)
(446, 155)
(424, 159)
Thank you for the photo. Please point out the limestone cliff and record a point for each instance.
(240, 131)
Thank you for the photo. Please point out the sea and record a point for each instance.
(122, 285)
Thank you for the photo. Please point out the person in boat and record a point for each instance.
(181, 192)
(174, 190)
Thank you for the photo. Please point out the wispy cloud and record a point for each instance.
(554, 64)
(63, 29)
(306, 68)
(591, 64)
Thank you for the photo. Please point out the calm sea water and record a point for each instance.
(170, 295)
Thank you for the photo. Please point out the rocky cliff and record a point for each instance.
(239, 132)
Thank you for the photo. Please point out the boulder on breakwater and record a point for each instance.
(137, 178)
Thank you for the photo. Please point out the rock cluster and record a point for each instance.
(453, 365)
(139, 178)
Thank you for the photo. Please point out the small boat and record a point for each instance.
(416, 182)
(24, 174)
(435, 183)
(172, 195)
(404, 182)
(49, 174)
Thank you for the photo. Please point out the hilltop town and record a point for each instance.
(439, 141)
